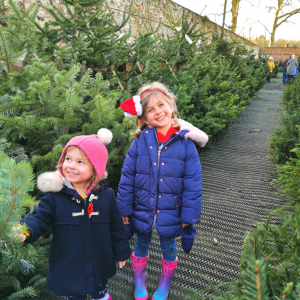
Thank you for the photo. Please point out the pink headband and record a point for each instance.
(151, 90)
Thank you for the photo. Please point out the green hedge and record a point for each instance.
(286, 136)
(58, 95)
(75, 89)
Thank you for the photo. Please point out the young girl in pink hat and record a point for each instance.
(87, 227)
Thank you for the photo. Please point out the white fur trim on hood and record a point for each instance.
(50, 182)
(54, 182)
(194, 134)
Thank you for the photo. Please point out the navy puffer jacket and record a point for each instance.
(168, 187)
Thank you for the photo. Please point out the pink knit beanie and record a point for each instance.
(94, 148)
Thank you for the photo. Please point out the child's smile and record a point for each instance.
(77, 168)
(158, 114)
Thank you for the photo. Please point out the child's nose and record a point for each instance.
(72, 165)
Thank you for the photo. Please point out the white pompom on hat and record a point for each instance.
(105, 136)
(94, 148)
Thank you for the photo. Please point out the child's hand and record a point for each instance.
(125, 220)
(184, 225)
(121, 264)
(18, 236)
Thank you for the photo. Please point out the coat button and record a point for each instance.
(135, 202)
(146, 131)
(151, 147)
(177, 206)
(166, 148)
(154, 164)
(161, 180)
(153, 213)
(158, 211)
(162, 164)
(159, 196)
(154, 197)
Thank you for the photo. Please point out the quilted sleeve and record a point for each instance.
(192, 186)
(127, 182)
(120, 244)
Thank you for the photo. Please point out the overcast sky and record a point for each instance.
(248, 17)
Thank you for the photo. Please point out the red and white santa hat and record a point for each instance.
(132, 107)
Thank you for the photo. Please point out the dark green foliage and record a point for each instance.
(76, 89)
(286, 136)
(56, 96)
(270, 260)
(22, 269)
(275, 71)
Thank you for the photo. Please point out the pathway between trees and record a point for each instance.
(236, 194)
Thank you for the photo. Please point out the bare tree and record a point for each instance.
(281, 16)
(235, 6)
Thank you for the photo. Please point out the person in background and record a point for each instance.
(284, 67)
(291, 68)
(271, 66)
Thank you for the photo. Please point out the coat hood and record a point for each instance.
(55, 182)
(194, 134)
(50, 182)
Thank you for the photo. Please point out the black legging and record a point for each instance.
(290, 78)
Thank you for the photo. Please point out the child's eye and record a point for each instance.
(161, 104)
(150, 110)
(81, 162)
(68, 159)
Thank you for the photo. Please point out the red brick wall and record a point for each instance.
(280, 52)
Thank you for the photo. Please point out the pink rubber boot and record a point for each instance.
(165, 281)
(139, 266)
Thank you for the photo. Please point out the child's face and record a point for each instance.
(77, 168)
(158, 114)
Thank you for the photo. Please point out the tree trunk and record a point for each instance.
(234, 14)
(275, 25)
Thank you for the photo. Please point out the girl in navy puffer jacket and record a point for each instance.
(161, 182)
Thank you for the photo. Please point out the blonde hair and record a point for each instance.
(94, 180)
(169, 97)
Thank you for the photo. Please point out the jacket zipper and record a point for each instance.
(158, 158)
(159, 150)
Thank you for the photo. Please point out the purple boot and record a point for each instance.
(139, 266)
(165, 281)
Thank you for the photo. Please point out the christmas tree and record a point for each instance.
(22, 269)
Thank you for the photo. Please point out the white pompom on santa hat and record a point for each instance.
(132, 107)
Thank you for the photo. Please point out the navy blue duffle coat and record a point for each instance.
(83, 249)
(168, 186)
